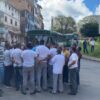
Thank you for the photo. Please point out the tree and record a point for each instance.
(90, 29)
(64, 24)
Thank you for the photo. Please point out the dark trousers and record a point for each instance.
(92, 48)
(8, 70)
(65, 74)
(85, 50)
(78, 77)
(18, 77)
(50, 75)
(73, 80)
(78, 73)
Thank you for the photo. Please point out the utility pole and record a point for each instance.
(51, 23)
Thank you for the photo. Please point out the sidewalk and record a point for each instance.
(91, 58)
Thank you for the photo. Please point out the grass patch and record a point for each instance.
(96, 52)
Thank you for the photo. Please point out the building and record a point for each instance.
(22, 5)
(27, 21)
(9, 22)
(26, 15)
(31, 17)
(40, 17)
(89, 19)
(17, 17)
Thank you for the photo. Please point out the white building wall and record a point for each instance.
(11, 13)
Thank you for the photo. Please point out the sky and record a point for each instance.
(77, 9)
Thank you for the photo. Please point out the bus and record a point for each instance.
(70, 39)
(48, 36)
(51, 37)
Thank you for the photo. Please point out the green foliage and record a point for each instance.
(64, 24)
(97, 39)
(90, 29)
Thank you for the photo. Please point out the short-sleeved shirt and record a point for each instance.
(52, 53)
(28, 57)
(58, 62)
(17, 57)
(92, 42)
(42, 51)
(7, 58)
(73, 57)
(11, 52)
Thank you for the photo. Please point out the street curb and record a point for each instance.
(91, 58)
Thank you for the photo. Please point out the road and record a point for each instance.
(88, 90)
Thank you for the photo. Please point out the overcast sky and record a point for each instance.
(75, 8)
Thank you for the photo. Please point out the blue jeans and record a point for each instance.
(18, 77)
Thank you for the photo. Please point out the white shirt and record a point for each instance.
(73, 57)
(92, 42)
(58, 62)
(7, 58)
(52, 53)
(17, 57)
(11, 52)
(42, 51)
(28, 57)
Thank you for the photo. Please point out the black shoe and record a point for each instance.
(24, 93)
(60, 92)
(71, 93)
(32, 93)
(38, 91)
(53, 92)
(17, 89)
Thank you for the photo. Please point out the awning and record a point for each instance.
(15, 32)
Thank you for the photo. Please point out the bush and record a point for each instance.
(90, 30)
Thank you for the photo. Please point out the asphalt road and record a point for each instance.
(88, 90)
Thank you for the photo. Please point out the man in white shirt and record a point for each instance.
(92, 45)
(52, 53)
(58, 62)
(17, 64)
(28, 57)
(7, 66)
(73, 68)
(42, 55)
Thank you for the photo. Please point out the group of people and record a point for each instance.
(41, 67)
(86, 43)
